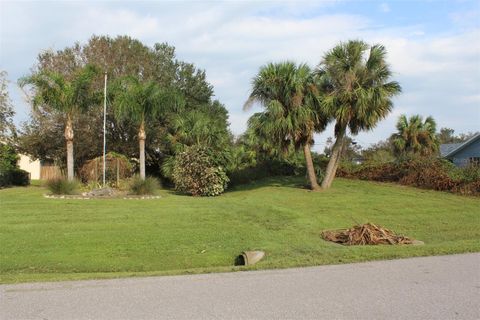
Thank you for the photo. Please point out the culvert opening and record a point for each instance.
(248, 258)
(239, 260)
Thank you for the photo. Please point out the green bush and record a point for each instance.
(62, 186)
(141, 187)
(467, 174)
(10, 174)
(195, 173)
(277, 167)
(20, 177)
(14, 177)
(268, 168)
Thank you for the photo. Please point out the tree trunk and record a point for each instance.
(310, 168)
(141, 139)
(69, 138)
(334, 160)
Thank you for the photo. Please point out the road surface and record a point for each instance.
(443, 287)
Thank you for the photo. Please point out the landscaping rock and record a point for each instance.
(102, 192)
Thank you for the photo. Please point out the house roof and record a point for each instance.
(446, 148)
(450, 149)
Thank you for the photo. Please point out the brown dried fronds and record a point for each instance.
(365, 234)
(118, 167)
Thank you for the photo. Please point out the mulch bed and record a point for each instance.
(367, 234)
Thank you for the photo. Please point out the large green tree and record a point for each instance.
(356, 79)
(69, 96)
(415, 136)
(292, 115)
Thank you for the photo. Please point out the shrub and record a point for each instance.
(62, 186)
(425, 173)
(277, 167)
(14, 177)
(428, 173)
(469, 173)
(141, 187)
(469, 189)
(196, 173)
(250, 174)
(20, 177)
(386, 172)
(10, 174)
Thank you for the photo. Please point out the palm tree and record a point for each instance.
(415, 136)
(355, 77)
(257, 140)
(196, 127)
(139, 101)
(68, 95)
(292, 108)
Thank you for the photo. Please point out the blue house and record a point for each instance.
(464, 153)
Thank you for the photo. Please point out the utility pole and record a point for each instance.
(104, 126)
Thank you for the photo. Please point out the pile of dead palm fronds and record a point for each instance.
(365, 234)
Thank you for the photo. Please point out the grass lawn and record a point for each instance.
(55, 239)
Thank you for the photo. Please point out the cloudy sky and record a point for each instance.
(434, 46)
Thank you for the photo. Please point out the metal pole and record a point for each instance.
(104, 125)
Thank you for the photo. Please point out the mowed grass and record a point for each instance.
(58, 239)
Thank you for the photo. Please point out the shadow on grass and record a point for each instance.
(295, 182)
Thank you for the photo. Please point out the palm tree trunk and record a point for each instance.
(141, 140)
(310, 168)
(334, 160)
(69, 138)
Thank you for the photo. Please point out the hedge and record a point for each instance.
(14, 177)
(435, 174)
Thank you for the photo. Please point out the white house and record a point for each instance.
(32, 167)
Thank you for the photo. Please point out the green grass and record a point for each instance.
(58, 239)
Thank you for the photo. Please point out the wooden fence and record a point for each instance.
(49, 172)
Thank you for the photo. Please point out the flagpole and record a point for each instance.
(104, 125)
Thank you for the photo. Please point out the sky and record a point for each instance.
(433, 46)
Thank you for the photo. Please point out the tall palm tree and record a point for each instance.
(292, 115)
(68, 95)
(139, 101)
(356, 79)
(415, 136)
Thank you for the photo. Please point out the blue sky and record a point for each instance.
(434, 46)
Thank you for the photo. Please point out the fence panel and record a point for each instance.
(49, 172)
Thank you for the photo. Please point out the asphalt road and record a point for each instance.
(444, 287)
